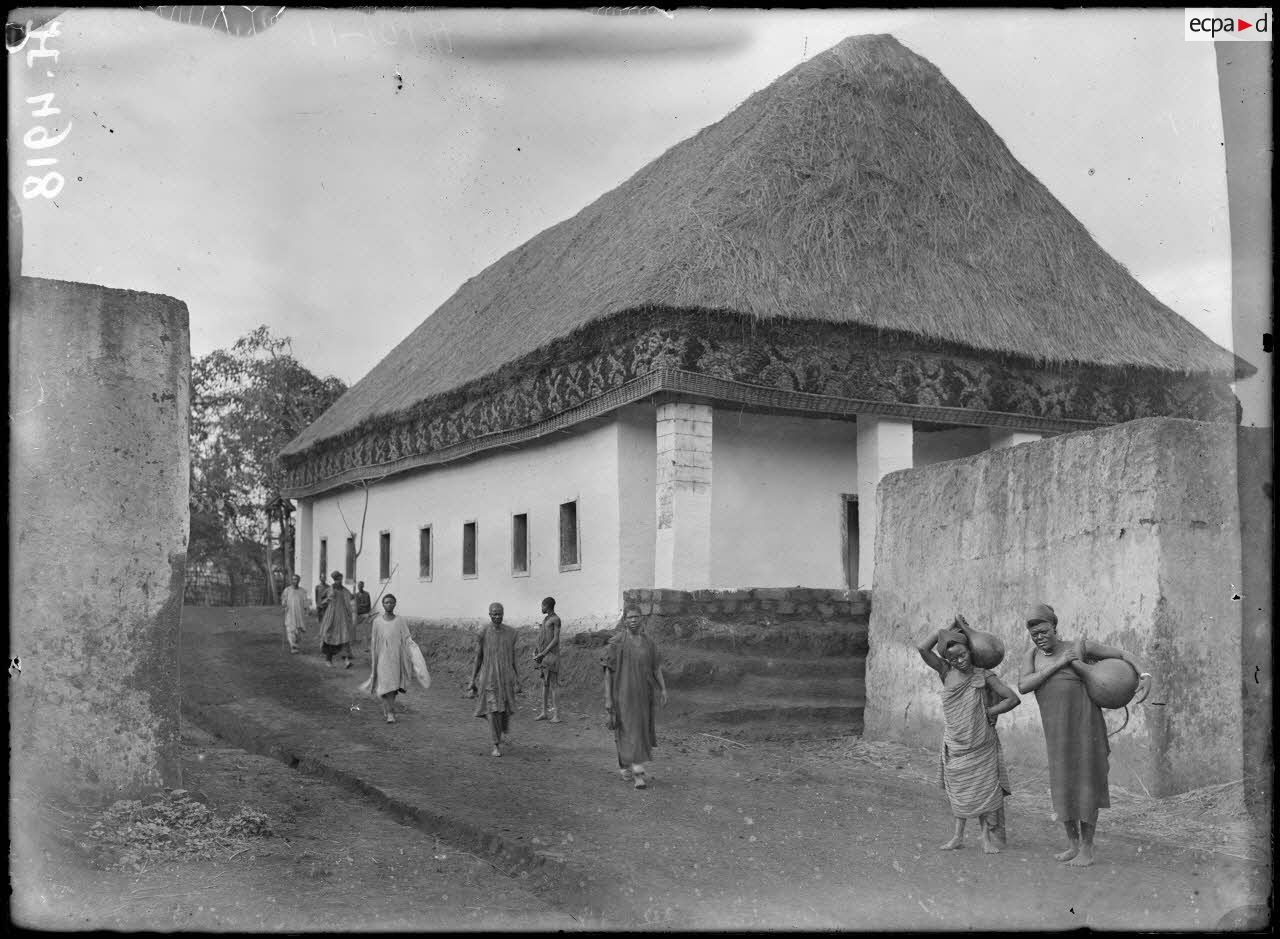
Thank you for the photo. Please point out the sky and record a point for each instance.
(339, 175)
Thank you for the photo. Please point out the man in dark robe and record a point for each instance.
(336, 626)
(632, 675)
(494, 680)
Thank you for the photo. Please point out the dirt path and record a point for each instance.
(335, 863)
(727, 836)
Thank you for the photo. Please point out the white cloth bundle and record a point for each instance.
(420, 673)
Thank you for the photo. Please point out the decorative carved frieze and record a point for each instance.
(814, 358)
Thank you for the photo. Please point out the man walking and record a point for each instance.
(294, 601)
(494, 678)
(632, 675)
(335, 628)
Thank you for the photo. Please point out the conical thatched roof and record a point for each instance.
(860, 187)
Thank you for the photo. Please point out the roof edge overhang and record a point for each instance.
(602, 331)
(715, 391)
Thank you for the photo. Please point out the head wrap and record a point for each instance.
(1041, 613)
(954, 636)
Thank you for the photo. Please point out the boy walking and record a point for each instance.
(547, 659)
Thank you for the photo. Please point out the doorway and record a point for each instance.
(849, 539)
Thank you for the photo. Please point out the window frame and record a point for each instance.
(431, 551)
(475, 549)
(384, 559)
(324, 559)
(576, 564)
(527, 559)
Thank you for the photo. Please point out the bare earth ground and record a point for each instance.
(734, 833)
(335, 863)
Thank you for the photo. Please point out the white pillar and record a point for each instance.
(303, 551)
(682, 545)
(998, 438)
(884, 445)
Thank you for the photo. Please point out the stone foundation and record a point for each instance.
(798, 620)
(760, 604)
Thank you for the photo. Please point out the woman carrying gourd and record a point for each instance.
(971, 766)
(1074, 730)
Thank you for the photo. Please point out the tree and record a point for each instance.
(247, 402)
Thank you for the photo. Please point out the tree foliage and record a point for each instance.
(247, 402)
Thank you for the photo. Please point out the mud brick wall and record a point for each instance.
(1132, 533)
(99, 462)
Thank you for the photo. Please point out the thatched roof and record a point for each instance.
(859, 187)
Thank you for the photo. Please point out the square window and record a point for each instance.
(570, 555)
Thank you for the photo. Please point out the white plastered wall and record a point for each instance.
(534, 480)
(776, 512)
(777, 486)
(637, 460)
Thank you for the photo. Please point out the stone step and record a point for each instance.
(848, 687)
(710, 703)
(767, 713)
(780, 718)
(792, 640)
(782, 731)
(698, 667)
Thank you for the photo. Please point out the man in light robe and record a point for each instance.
(294, 601)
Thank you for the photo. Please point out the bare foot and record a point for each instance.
(951, 845)
(1068, 854)
(542, 716)
(989, 846)
(1083, 859)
